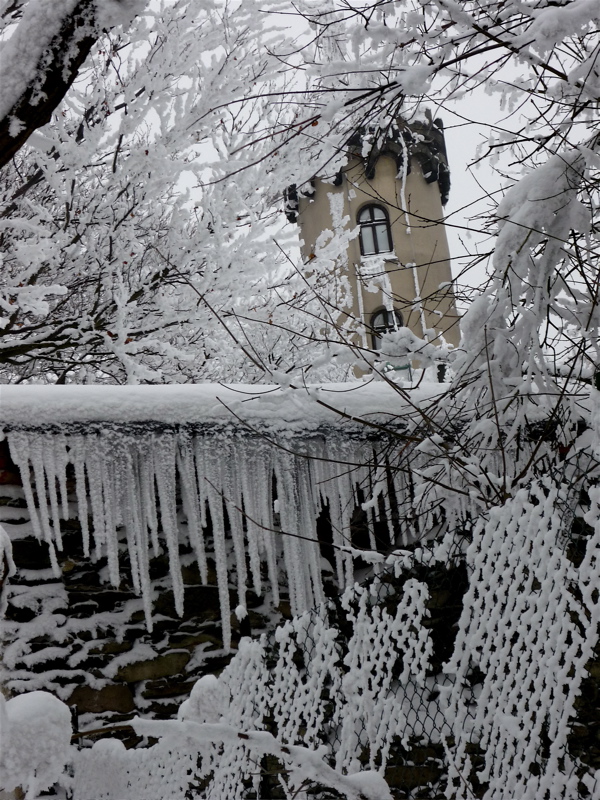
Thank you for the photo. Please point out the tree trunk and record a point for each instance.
(35, 106)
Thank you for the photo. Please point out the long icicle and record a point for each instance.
(164, 447)
(141, 537)
(190, 501)
(77, 450)
(108, 469)
(254, 502)
(233, 496)
(213, 484)
(48, 444)
(18, 443)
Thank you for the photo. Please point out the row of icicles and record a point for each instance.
(156, 490)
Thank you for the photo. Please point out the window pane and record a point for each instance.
(368, 242)
(378, 213)
(365, 214)
(383, 240)
(379, 320)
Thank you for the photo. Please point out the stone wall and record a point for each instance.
(87, 641)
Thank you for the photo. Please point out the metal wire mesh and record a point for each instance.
(414, 759)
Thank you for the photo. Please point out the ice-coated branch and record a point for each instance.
(40, 62)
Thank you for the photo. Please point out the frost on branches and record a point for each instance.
(124, 242)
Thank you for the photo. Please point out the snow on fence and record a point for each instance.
(348, 701)
(449, 674)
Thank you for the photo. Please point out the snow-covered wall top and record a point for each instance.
(294, 410)
(151, 468)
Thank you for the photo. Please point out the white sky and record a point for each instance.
(474, 186)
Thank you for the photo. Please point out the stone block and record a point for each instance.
(162, 666)
(164, 710)
(193, 640)
(216, 664)
(201, 602)
(116, 697)
(111, 648)
(105, 599)
(593, 667)
(83, 610)
(191, 575)
(84, 580)
(165, 689)
(30, 554)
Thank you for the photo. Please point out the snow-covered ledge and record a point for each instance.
(291, 411)
(147, 465)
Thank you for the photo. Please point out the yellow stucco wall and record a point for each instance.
(419, 239)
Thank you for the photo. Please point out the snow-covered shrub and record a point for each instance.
(35, 742)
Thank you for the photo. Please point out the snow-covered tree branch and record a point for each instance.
(45, 46)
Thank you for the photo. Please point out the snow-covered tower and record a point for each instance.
(393, 188)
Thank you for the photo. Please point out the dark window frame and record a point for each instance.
(375, 224)
(385, 326)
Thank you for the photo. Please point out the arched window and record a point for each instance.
(374, 231)
(384, 321)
